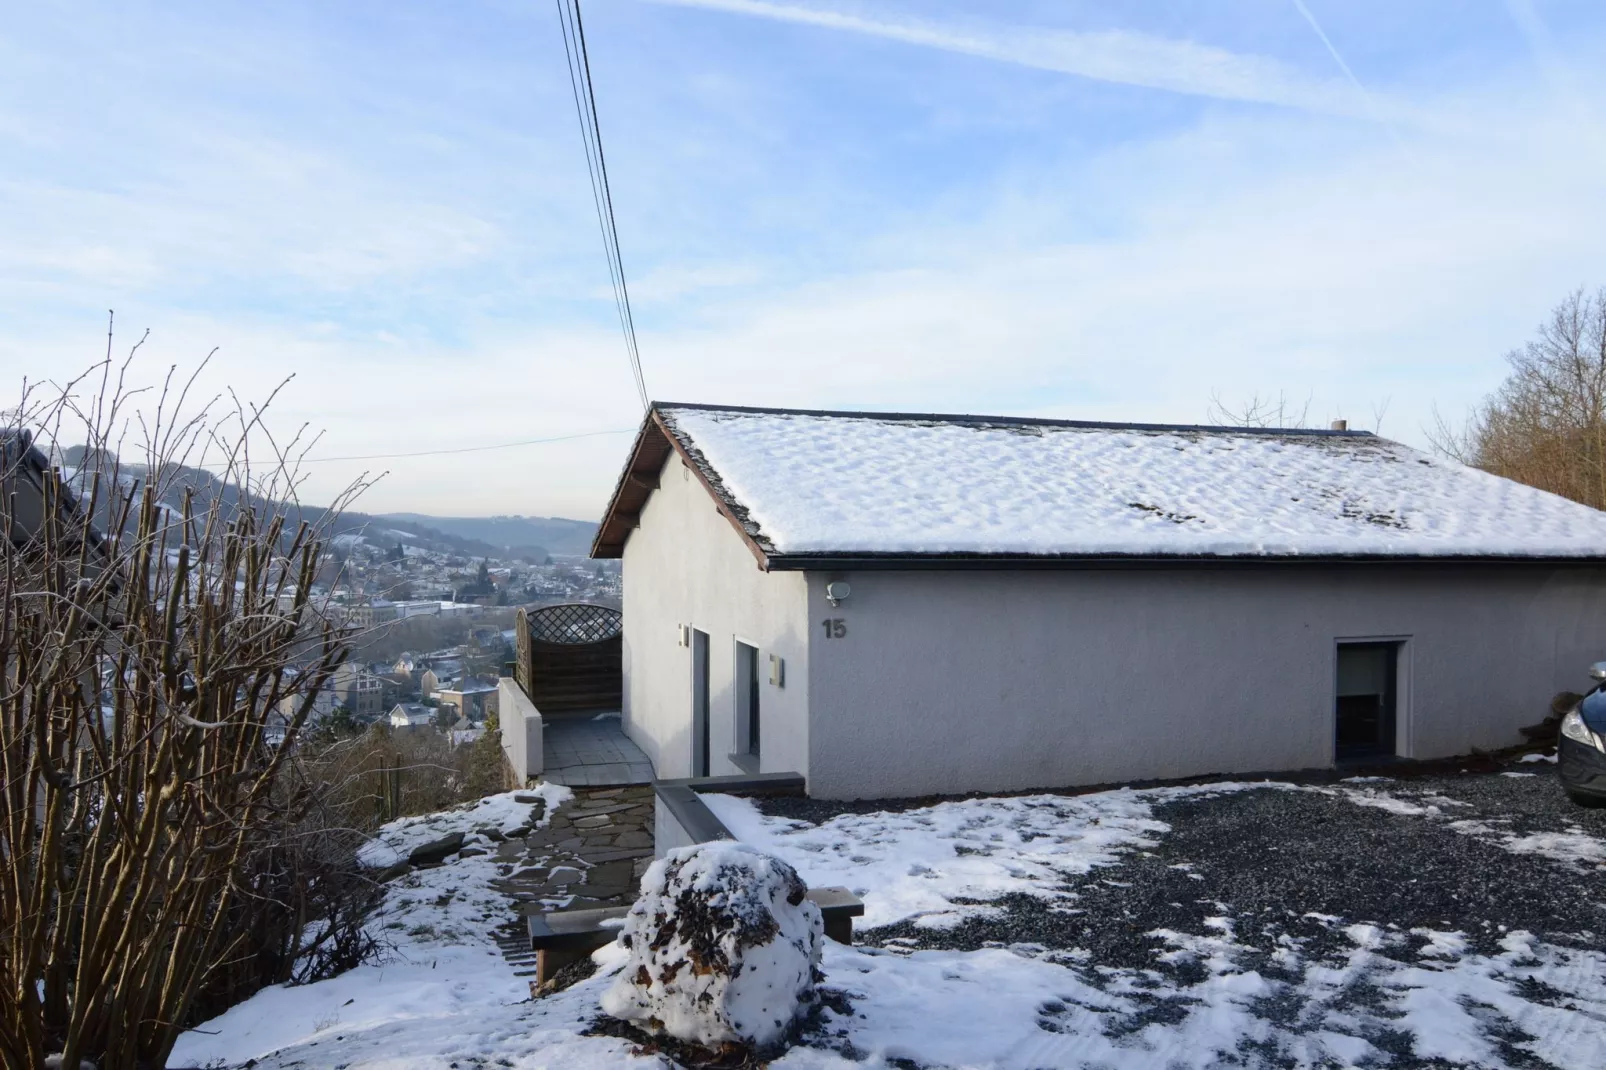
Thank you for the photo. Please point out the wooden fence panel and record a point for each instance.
(570, 659)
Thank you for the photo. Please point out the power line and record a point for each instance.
(469, 449)
(591, 132)
(585, 106)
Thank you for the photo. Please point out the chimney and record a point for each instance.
(1340, 425)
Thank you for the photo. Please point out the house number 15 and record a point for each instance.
(835, 628)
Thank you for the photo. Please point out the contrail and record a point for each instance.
(1371, 103)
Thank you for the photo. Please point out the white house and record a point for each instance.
(411, 715)
(906, 604)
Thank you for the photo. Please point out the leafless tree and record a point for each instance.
(1258, 411)
(157, 837)
(1546, 423)
(1271, 412)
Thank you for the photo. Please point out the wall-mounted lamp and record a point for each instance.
(836, 593)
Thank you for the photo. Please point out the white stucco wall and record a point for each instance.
(989, 680)
(685, 564)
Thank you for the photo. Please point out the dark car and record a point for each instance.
(1581, 750)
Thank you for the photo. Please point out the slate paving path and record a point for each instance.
(592, 752)
(591, 854)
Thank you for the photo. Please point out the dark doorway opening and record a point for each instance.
(1365, 709)
(699, 704)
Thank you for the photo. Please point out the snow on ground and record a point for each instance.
(918, 864)
(396, 840)
(1384, 997)
(1418, 805)
(928, 1007)
(1568, 845)
(1572, 844)
(436, 926)
(1334, 991)
(818, 483)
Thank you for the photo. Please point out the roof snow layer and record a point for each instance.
(814, 483)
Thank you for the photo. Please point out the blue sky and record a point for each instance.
(1108, 210)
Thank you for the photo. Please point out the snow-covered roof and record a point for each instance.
(808, 486)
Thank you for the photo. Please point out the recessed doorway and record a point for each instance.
(1365, 711)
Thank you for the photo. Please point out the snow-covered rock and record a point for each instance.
(722, 945)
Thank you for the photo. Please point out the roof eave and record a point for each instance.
(624, 504)
(654, 443)
(848, 562)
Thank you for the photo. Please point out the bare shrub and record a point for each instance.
(384, 773)
(161, 853)
(1546, 424)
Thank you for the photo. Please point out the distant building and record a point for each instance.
(365, 614)
(428, 608)
(410, 716)
(395, 687)
(323, 705)
(359, 690)
(473, 699)
(462, 737)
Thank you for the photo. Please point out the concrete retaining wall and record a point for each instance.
(521, 730)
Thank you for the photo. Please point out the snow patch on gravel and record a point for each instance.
(917, 865)
(1044, 1010)
(1572, 845)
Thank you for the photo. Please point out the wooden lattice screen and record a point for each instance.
(569, 658)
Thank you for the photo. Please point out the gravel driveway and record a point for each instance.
(1435, 921)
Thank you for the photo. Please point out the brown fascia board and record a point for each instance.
(624, 505)
(654, 443)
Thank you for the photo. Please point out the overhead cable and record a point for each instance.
(585, 106)
(468, 449)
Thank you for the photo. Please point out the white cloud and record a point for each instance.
(1119, 56)
(1344, 272)
(1258, 249)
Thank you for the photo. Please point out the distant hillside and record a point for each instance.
(380, 531)
(388, 531)
(512, 534)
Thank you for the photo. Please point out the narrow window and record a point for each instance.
(699, 703)
(747, 692)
